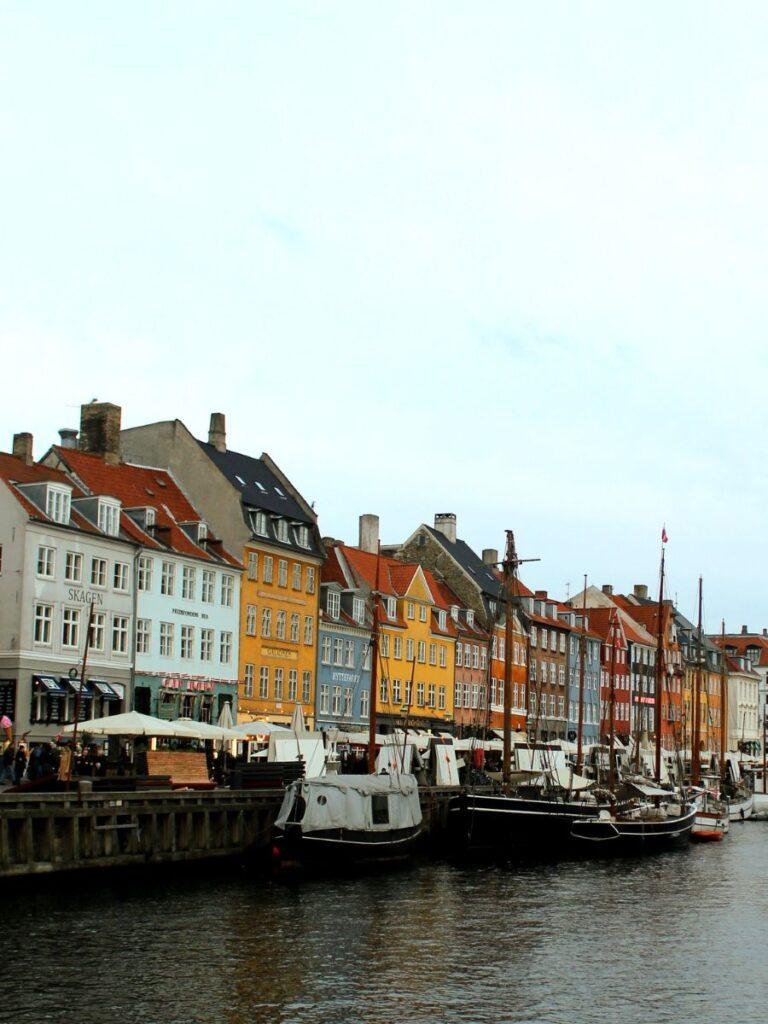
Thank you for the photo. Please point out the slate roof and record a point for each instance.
(470, 562)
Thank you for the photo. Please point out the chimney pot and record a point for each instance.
(744, 630)
(607, 588)
(100, 430)
(490, 556)
(765, 631)
(22, 447)
(445, 523)
(68, 437)
(217, 431)
(369, 533)
(641, 591)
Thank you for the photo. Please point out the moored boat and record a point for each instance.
(645, 829)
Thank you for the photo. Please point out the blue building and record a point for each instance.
(590, 730)
(344, 650)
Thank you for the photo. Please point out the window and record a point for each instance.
(310, 580)
(364, 695)
(483, 658)
(544, 639)
(455, 612)
(422, 652)
(441, 698)
(358, 609)
(533, 636)
(279, 683)
(302, 536)
(120, 634)
(338, 652)
(334, 603)
(250, 620)
(253, 565)
(459, 654)
(296, 576)
(384, 642)
(293, 684)
(144, 578)
(409, 650)
(442, 619)
(209, 586)
(325, 650)
(227, 590)
(57, 505)
(324, 694)
(280, 624)
(97, 631)
(420, 695)
(143, 627)
(433, 654)
(383, 692)
(308, 630)
(457, 695)
(260, 524)
(443, 656)
(109, 517)
(396, 691)
(282, 572)
(295, 619)
(269, 568)
(70, 627)
(206, 645)
(43, 623)
(475, 695)
(248, 681)
(349, 653)
(46, 562)
(264, 682)
(98, 572)
(166, 639)
(347, 702)
(73, 567)
(470, 617)
(391, 608)
(225, 647)
(167, 578)
(120, 576)
(411, 610)
(553, 640)
(306, 686)
(282, 531)
(188, 583)
(422, 613)
(266, 622)
(475, 656)
(187, 640)
(398, 647)
(431, 695)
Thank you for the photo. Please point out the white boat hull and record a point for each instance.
(741, 809)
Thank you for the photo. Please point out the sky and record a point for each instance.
(506, 260)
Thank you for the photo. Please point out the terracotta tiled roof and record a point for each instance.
(332, 571)
(601, 621)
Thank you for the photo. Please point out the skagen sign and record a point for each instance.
(80, 596)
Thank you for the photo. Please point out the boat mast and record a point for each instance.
(582, 652)
(612, 707)
(510, 560)
(696, 730)
(374, 669)
(723, 704)
(659, 664)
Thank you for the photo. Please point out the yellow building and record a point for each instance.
(416, 643)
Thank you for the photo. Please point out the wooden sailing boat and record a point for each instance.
(334, 820)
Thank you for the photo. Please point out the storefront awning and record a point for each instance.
(50, 684)
(78, 686)
(104, 690)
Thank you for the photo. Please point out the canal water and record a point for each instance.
(680, 937)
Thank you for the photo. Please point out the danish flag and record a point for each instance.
(664, 535)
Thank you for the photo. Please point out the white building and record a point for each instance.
(60, 553)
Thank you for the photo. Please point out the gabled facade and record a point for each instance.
(264, 519)
(754, 647)
(344, 650)
(702, 659)
(548, 693)
(614, 672)
(60, 554)
(187, 606)
(582, 638)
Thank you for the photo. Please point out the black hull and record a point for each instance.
(632, 838)
(338, 849)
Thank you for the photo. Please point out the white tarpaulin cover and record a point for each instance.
(392, 759)
(258, 728)
(206, 731)
(446, 769)
(284, 746)
(130, 723)
(344, 801)
(546, 759)
(564, 778)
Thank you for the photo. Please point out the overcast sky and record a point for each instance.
(506, 260)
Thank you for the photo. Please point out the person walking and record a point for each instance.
(19, 764)
(6, 764)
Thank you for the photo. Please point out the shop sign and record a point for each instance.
(80, 596)
(279, 652)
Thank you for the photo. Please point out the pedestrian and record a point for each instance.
(6, 764)
(19, 764)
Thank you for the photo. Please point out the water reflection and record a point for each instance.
(677, 938)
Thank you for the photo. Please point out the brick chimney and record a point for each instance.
(100, 430)
(68, 437)
(368, 537)
(641, 591)
(607, 588)
(217, 431)
(22, 447)
(445, 523)
(744, 630)
(490, 556)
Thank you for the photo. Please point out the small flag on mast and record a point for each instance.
(664, 537)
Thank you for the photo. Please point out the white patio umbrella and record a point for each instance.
(298, 722)
(258, 728)
(205, 731)
(225, 720)
(130, 723)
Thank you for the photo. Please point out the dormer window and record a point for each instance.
(202, 532)
(455, 612)
(302, 536)
(334, 603)
(358, 609)
(57, 504)
(470, 617)
(109, 517)
(442, 618)
(149, 517)
(282, 530)
(391, 607)
(260, 523)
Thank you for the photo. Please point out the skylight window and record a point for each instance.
(279, 491)
(261, 486)
(240, 480)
